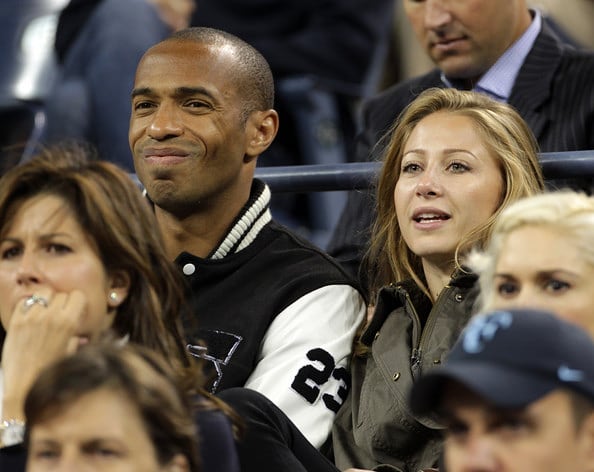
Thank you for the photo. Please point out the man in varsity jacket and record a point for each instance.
(502, 49)
(273, 313)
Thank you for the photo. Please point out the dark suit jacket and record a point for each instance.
(554, 93)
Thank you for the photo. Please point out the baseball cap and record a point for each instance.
(512, 358)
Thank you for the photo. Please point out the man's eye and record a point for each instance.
(198, 104)
(456, 433)
(45, 454)
(105, 452)
(143, 105)
(513, 425)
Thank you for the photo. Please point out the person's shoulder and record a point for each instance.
(216, 441)
(575, 70)
(548, 44)
(215, 421)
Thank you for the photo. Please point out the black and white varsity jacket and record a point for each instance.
(275, 314)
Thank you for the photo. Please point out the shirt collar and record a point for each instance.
(499, 80)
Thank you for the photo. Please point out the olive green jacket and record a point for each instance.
(374, 427)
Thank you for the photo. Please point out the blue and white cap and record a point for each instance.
(512, 358)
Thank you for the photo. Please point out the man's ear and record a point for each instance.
(119, 286)
(261, 128)
(179, 463)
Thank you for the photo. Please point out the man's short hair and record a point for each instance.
(252, 72)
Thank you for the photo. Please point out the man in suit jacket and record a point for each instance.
(509, 53)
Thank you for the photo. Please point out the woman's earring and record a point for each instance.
(113, 296)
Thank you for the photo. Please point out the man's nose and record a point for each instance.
(165, 122)
(436, 14)
(479, 455)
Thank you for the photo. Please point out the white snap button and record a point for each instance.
(189, 269)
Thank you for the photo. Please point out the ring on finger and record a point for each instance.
(35, 299)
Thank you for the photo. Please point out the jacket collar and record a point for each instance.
(248, 224)
(393, 296)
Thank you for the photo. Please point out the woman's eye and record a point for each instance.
(410, 168)
(58, 248)
(555, 285)
(458, 167)
(506, 288)
(11, 252)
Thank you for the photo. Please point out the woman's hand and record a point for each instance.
(37, 336)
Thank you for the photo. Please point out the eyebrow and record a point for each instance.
(96, 442)
(445, 151)
(539, 273)
(43, 237)
(179, 92)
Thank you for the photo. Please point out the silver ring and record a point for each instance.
(33, 299)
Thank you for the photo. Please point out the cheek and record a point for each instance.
(400, 206)
(400, 196)
(453, 456)
(486, 202)
(5, 317)
(575, 309)
(6, 290)
(415, 14)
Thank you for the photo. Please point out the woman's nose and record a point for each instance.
(28, 270)
(428, 184)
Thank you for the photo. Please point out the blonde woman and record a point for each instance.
(541, 256)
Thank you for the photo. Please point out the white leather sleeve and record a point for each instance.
(304, 358)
